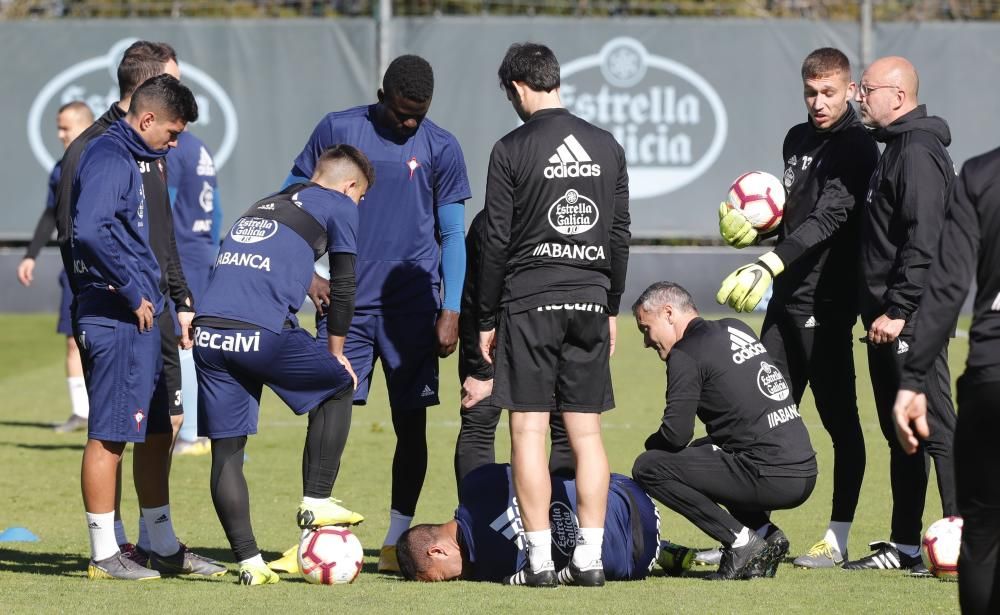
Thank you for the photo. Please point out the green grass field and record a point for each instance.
(39, 489)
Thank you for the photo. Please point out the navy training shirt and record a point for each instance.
(194, 199)
(399, 257)
(113, 262)
(54, 177)
(264, 268)
(492, 532)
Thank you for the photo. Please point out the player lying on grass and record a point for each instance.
(484, 541)
(757, 456)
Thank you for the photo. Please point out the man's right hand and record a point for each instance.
(26, 271)
(342, 359)
(734, 227)
(144, 315)
(319, 292)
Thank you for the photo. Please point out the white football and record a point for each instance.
(940, 546)
(761, 198)
(330, 555)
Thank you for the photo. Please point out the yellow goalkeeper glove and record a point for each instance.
(744, 288)
(734, 227)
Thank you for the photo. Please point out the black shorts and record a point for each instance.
(554, 357)
(171, 374)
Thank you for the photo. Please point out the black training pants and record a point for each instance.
(908, 473)
(977, 471)
(475, 445)
(696, 480)
(822, 356)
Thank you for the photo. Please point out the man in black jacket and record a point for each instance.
(828, 161)
(900, 228)
(968, 246)
(552, 271)
(757, 456)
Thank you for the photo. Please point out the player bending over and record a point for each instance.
(247, 335)
(485, 540)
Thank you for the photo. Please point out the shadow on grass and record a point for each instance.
(30, 424)
(45, 447)
(56, 564)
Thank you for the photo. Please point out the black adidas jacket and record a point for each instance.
(161, 219)
(826, 176)
(557, 219)
(721, 373)
(903, 216)
(470, 358)
(969, 245)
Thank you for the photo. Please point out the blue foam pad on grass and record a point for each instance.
(18, 534)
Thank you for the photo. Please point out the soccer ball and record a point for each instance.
(330, 555)
(761, 198)
(940, 546)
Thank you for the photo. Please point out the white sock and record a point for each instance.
(763, 530)
(315, 501)
(120, 536)
(742, 538)
(539, 548)
(162, 539)
(908, 550)
(78, 396)
(398, 523)
(256, 561)
(143, 541)
(837, 535)
(102, 535)
(588, 546)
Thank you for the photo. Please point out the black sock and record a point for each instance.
(231, 496)
(409, 464)
(326, 437)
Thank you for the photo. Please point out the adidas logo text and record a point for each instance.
(269, 206)
(571, 160)
(903, 347)
(746, 347)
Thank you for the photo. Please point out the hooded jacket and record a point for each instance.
(113, 263)
(903, 215)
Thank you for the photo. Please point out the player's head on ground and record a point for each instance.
(344, 168)
(529, 74)
(160, 110)
(889, 90)
(72, 119)
(405, 97)
(430, 553)
(662, 313)
(827, 86)
(144, 60)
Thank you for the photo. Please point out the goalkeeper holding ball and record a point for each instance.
(829, 160)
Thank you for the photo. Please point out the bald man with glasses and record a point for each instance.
(900, 227)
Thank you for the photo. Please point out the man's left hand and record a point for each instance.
(909, 410)
(613, 331)
(475, 391)
(744, 288)
(184, 321)
(447, 332)
(885, 330)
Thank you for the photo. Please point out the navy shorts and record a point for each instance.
(406, 344)
(121, 368)
(234, 364)
(65, 324)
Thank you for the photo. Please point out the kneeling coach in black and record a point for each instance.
(757, 456)
(247, 336)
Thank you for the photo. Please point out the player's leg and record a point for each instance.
(407, 345)
(940, 444)
(561, 460)
(830, 361)
(476, 442)
(120, 363)
(592, 478)
(188, 442)
(978, 485)
(533, 486)
(693, 482)
(74, 367)
(907, 473)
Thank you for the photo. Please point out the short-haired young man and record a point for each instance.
(411, 261)
(116, 278)
(71, 120)
(757, 456)
(829, 159)
(552, 270)
(247, 335)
